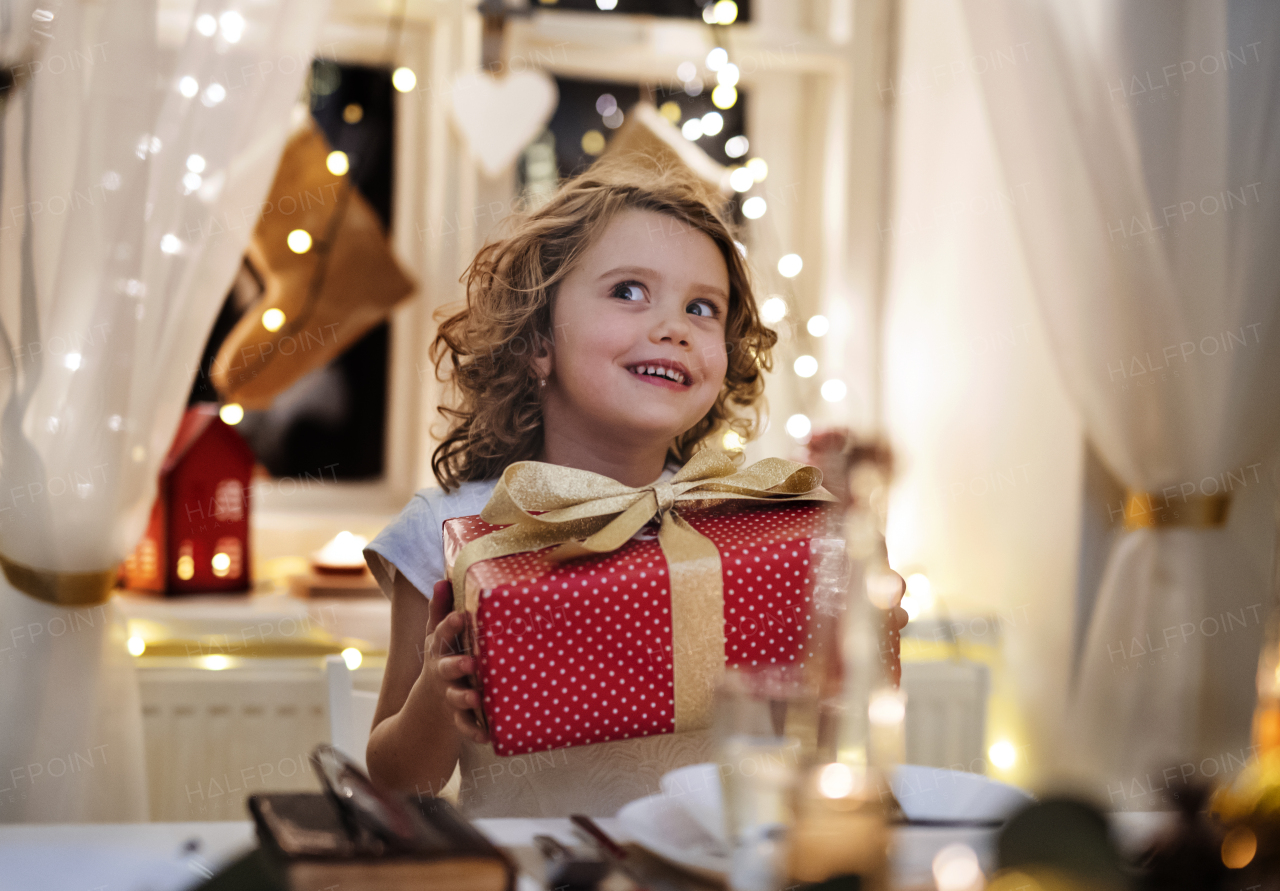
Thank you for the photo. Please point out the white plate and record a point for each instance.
(661, 826)
(936, 795)
(696, 788)
(685, 824)
(664, 828)
(927, 795)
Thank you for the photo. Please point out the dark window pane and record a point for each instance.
(332, 422)
(688, 9)
(578, 121)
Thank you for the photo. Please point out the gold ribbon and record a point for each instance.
(586, 513)
(60, 588)
(1202, 511)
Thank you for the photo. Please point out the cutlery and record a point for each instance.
(646, 878)
(567, 871)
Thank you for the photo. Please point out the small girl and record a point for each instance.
(614, 330)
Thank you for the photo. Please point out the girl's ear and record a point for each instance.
(543, 359)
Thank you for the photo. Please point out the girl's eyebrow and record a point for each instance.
(653, 273)
(630, 270)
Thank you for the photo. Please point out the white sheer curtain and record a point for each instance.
(1147, 136)
(129, 189)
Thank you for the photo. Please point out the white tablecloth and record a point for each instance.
(178, 856)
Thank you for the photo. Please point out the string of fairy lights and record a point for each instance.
(919, 597)
(743, 177)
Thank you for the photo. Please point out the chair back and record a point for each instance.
(350, 711)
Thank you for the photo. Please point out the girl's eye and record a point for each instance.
(629, 291)
(705, 308)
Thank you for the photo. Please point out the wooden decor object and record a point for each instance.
(345, 282)
(198, 536)
(650, 140)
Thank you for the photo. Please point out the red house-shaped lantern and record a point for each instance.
(198, 537)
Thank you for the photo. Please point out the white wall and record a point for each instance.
(986, 502)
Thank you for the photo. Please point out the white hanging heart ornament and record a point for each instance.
(500, 116)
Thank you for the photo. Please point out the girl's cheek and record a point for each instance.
(719, 365)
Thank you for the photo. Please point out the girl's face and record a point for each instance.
(638, 340)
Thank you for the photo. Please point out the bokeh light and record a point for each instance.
(790, 265)
(798, 426)
(299, 241)
(773, 310)
(740, 179)
(273, 319)
(725, 12)
(593, 142)
(1003, 754)
(403, 79)
(724, 96)
(834, 390)
(338, 163)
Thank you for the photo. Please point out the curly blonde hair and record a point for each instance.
(496, 415)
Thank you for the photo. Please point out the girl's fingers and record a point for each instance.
(465, 721)
(902, 589)
(461, 698)
(441, 603)
(443, 639)
(451, 668)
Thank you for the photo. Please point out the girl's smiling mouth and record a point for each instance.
(662, 372)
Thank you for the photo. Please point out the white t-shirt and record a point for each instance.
(412, 544)
(595, 780)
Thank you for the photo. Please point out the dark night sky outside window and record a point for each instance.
(682, 9)
(577, 114)
(332, 422)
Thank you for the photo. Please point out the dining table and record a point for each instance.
(180, 856)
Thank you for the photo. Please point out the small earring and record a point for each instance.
(542, 382)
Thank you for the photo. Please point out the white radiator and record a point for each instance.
(214, 737)
(946, 718)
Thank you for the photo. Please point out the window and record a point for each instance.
(591, 110)
(686, 9)
(331, 423)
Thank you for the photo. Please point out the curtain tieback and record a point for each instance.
(60, 588)
(1143, 510)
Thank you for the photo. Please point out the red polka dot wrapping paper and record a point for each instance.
(579, 652)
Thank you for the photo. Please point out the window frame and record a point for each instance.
(817, 69)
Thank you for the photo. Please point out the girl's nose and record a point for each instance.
(672, 327)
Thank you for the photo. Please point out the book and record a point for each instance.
(310, 845)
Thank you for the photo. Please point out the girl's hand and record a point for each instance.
(446, 668)
(895, 619)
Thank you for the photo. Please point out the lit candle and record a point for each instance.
(342, 553)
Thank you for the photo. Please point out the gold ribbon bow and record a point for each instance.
(586, 513)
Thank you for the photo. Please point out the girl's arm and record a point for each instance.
(416, 738)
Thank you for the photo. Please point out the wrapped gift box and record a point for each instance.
(580, 652)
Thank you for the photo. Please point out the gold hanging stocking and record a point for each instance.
(317, 302)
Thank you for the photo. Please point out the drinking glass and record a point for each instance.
(765, 723)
